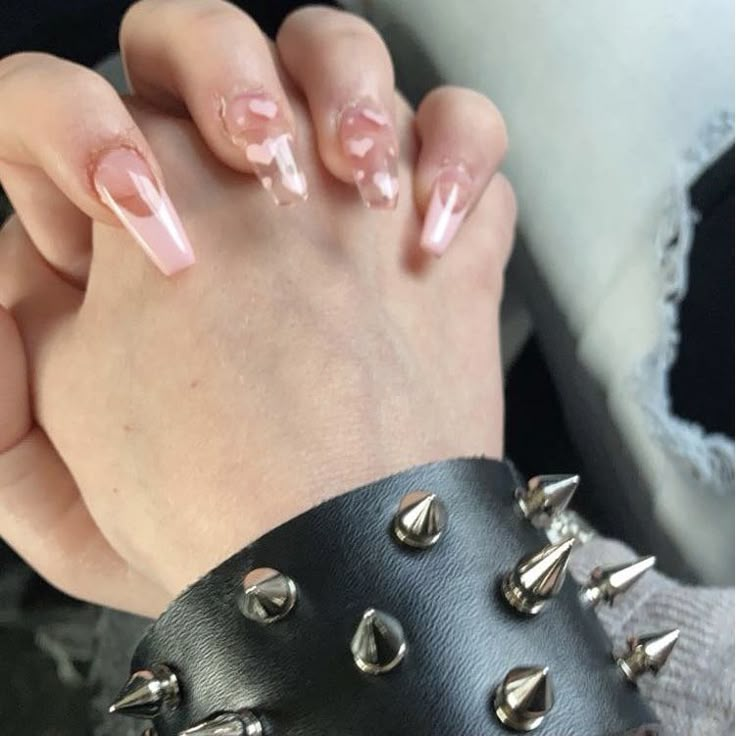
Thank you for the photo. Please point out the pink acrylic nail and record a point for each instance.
(255, 123)
(451, 196)
(124, 182)
(369, 142)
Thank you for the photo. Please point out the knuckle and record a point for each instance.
(181, 19)
(352, 26)
(131, 17)
(207, 19)
(134, 10)
(339, 25)
(307, 14)
(62, 80)
(11, 62)
(79, 81)
(488, 114)
(468, 104)
(21, 61)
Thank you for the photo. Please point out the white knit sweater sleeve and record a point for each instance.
(693, 695)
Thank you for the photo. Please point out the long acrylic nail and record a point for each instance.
(369, 141)
(255, 123)
(124, 182)
(451, 197)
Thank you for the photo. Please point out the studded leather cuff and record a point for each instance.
(426, 603)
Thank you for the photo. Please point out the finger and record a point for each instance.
(232, 90)
(45, 520)
(42, 515)
(487, 240)
(69, 123)
(41, 301)
(344, 70)
(60, 231)
(463, 141)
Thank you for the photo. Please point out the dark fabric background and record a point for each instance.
(86, 30)
(702, 378)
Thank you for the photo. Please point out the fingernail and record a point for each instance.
(369, 142)
(451, 196)
(124, 182)
(256, 124)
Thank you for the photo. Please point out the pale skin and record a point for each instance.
(151, 426)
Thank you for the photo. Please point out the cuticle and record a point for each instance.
(355, 103)
(122, 142)
(456, 164)
(223, 101)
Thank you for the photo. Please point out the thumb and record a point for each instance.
(42, 514)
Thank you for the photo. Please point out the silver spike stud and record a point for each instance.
(268, 595)
(524, 698)
(379, 644)
(537, 578)
(420, 520)
(242, 723)
(545, 496)
(647, 654)
(606, 584)
(148, 693)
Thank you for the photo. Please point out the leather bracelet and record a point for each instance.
(424, 603)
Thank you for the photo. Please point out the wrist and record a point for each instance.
(288, 490)
(295, 655)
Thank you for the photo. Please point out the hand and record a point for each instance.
(70, 151)
(312, 349)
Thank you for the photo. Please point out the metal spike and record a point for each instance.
(269, 596)
(647, 654)
(537, 578)
(147, 693)
(606, 584)
(150, 732)
(242, 723)
(524, 698)
(379, 644)
(545, 496)
(421, 520)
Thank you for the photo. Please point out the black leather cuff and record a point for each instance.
(379, 625)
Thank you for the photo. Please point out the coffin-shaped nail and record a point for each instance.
(369, 142)
(255, 123)
(124, 182)
(451, 195)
